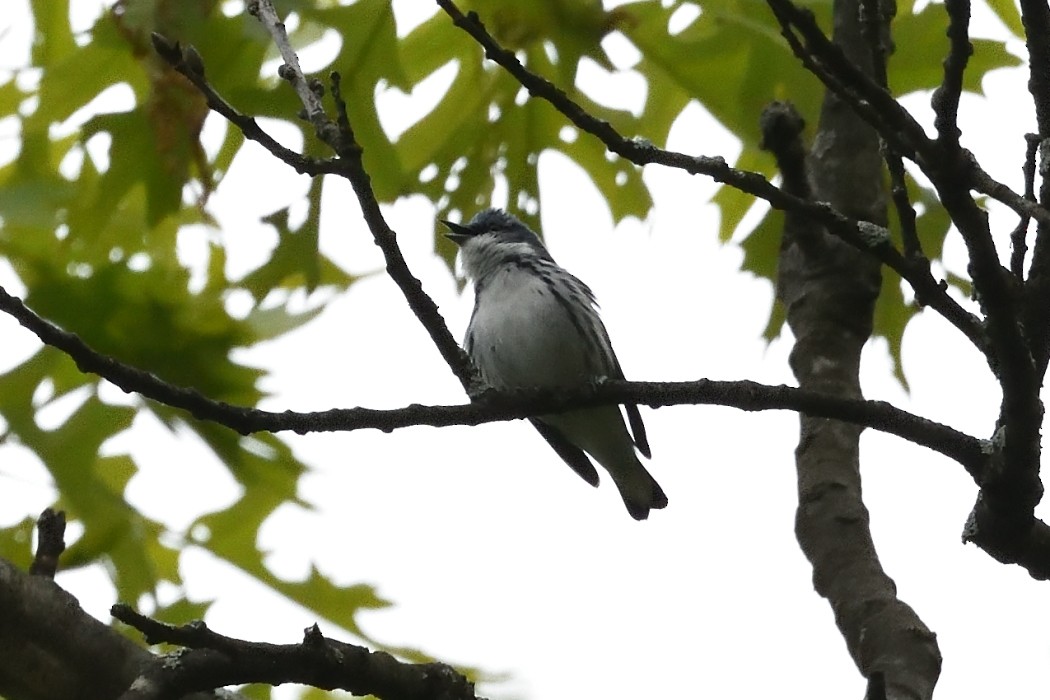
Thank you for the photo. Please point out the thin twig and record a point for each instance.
(188, 63)
(984, 183)
(875, 26)
(264, 11)
(864, 94)
(1018, 237)
(826, 64)
(945, 100)
(1035, 16)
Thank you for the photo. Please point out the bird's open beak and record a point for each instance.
(458, 233)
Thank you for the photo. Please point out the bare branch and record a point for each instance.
(1018, 237)
(51, 532)
(875, 25)
(308, 91)
(986, 184)
(843, 77)
(418, 300)
(215, 661)
(1024, 541)
(1035, 16)
(946, 97)
(950, 168)
(188, 63)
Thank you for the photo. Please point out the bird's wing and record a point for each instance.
(570, 453)
(641, 441)
(634, 418)
(613, 371)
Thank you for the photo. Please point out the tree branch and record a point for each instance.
(215, 660)
(1035, 16)
(876, 18)
(866, 95)
(491, 406)
(986, 184)
(951, 169)
(945, 100)
(51, 542)
(50, 649)
(1019, 236)
(845, 78)
(187, 62)
(309, 94)
(1008, 541)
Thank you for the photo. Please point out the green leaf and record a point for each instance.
(921, 45)
(762, 246)
(11, 96)
(16, 543)
(891, 318)
(698, 59)
(55, 39)
(761, 256)
(181, 611)
(270, 477)
(70, 83)
(90, 486)
(733, 204)
(1007, 12)
(296, 262)
(257, 691)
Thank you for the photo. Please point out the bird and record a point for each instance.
(536, 326)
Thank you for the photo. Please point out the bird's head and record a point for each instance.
(494, 238)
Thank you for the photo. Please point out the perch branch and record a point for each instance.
(490, 407)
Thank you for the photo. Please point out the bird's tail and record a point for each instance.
(640, 492)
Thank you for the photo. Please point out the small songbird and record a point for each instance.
(536, 326)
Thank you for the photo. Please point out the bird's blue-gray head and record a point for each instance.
(494, 238)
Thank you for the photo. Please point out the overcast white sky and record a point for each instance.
(496, 555)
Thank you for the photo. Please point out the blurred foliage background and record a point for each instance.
(90, 215)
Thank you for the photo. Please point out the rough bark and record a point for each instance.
(50, 649)
(830, 290)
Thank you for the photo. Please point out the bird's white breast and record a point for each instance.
(522, 336)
